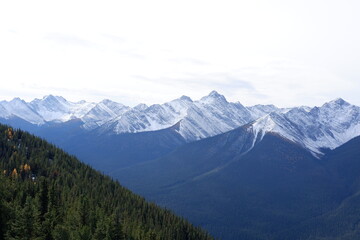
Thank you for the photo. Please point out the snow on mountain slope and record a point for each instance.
(258, 111)
(55, 108)
(142, 118)
(141, 107)
(209, 116)
(3, 112)
(212, 115)
(328, 126)
(49, 108)
(103, 112)
(19, 108)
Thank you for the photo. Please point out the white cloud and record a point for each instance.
(282, 52)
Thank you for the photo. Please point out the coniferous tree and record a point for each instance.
(46, 194)
(22, 226)
(4, 211)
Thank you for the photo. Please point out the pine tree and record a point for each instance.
(4, 210)
(22, 226)
(60, 233)
(46, 194)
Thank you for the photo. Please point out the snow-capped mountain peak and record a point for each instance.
(186, 98)
(50, 102)
(102, 112)
(213, 96)
(328, 126)
(258, 111)
(141, 107)
(57, 108)
(212, 115)
(17, 100)
(19, 108)
(264, 124)
(155, 117)
(51, 97)
(206, 117)
(336, 103)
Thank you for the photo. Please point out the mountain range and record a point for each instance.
(206, 117)
(241, 172)
(328, 126)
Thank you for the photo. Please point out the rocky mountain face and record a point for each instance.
(328, 126)
(209, 116)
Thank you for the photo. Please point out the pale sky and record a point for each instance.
(278, 52)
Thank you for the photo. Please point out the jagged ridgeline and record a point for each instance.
(47, 194)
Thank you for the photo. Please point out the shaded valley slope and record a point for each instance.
(273, 190)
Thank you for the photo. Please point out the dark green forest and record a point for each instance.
(47, 194)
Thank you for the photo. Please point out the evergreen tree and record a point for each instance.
(4, 211)
(46, 194)
(22, 227)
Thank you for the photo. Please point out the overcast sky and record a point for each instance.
(258, 51)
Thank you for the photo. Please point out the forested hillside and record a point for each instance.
(47, 194)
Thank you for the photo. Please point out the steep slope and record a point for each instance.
(209, 116)
(236, 191)
(118, 151)
(342, 222)
(187, 163)
(18, 108)
(47, 194)
(101, 113)
(56, 108)
(123, 136)
(257, 111)
(328, 126)
(115, 151)
(212, 115)
(151, 118)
